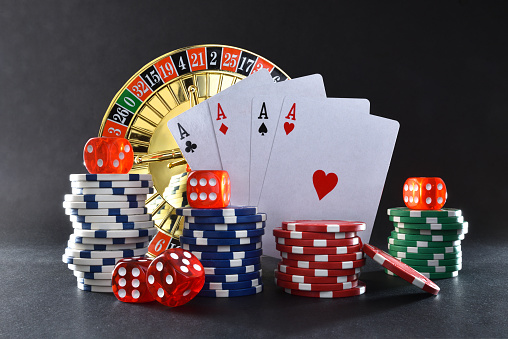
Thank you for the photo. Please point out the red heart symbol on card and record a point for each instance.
(288, 127)
(324, 183)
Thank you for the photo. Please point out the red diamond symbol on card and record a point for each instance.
(223, 128)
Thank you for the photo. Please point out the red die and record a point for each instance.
(424, 193)
(129, 280)
(208, 189)
(175, 277)
(108, 155)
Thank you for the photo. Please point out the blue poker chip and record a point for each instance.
(92, 275)
(223, 234)
(232, 285)
(106, 211)
(231, 270)
(104, 197)
(113, 191)
(141, 232)
(110, 177)
(91, 268)
(221, 248)
(111, 184)
(94, 262)
(231, 293)
(107, 241)
(227, 255)
(116, 247)
(110, 218)
(225, 227)
(229, 211)
(112, 226)
(212, 241)
(232, 277)
(227, 220)
(228, 263)
(100, 205)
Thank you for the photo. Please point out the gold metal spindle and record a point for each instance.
(177, 163)
(159, 156)
(193, 90)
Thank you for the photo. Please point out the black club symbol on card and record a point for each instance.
(190, 147)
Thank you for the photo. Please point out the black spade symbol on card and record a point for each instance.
(262, 129)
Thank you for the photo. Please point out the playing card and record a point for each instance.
(265, 115)
(325, 164)
(193, 132)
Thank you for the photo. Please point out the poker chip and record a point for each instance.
(425, 250)
(328, 226)
(434, 226)
(110, 177)
(314, 280)
(213, 241)
(95, 282)
(425, 256)
(227, 220)
(225, 227)
(111, 184)
(332, 265)
(402, 270)
(112, 225)
(91, 288)
(323, 257)
(229, 211)
(104, 254)
(105, 211)
(232, 285)
(112, 218)
(409, 243)
(426, 220)
(231, 263)
(360, 289)
(406, 212)
(432, 275)
(316, 272)
(91, 268)
(116, 247)
(233, 277)
(430, 232)
(318, 250)
(318, 242)
(279, 232)
(103, 204)
(221, 248)
(438, 269)
(231, 270)
(113, 191)
(431, 262)
(227, 255)
(434, 238)
(106, 241)
(103, 198)
(143, 232)
(90, 262)
(223, 234)
(316, 287)
(91, 275)
(231, 293)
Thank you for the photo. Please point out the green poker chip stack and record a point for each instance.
(430, 241)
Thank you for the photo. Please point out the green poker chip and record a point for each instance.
(433, 227)
(427, 220)
(438, 269)
(424, 256)
(445, 262)
(433, 276)
(435, 238)
(430, 232)
(406, 212)
(426, 244)
(425, 250)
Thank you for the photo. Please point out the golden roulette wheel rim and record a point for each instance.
(161, 90)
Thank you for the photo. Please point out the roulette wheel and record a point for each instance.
(161, 90)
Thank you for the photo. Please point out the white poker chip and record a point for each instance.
(90, 262)
(113, 225)
(104, 254)
(98, 247)
(95, 282)
(105, 211)
(91, 288)
(110, 218)
(111, 184)
(114, 191)
(103, 198)
(93, 268)
(91, 275)
(109, 177)
(102, 205)
(143, 232)
(107, 241)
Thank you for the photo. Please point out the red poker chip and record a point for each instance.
(323, 257)
(318, 250)
(279, 232)
(316, 287)
(315, 280)
(402, 270)
(327, 226)
(331, 265)
(316, 272)
(360, 289)
(318, 242)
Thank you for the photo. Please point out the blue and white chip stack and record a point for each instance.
(110, 222)
(227, 241)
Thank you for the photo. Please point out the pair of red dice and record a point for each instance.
(422, 193)
(173, 278)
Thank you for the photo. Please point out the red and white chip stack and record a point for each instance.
(320, 258)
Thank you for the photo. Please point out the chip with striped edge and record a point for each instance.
(232, 285)
(231, 263)
(227, 255)
(113, 191)
(104, 254)
(431, 262)
(402, 270)
(318, 250)
(316, 287)
(92, 275)
(92, 268)
(327, 226)
(218, 242)
(227, 220)
(142, 232)
(425, 256)
(233, 277)
(430, 232)
(314, 280)
(95, 282)
(90, 261)
(116, 247)
(358, 290)
(229, 211)
(92, 288)
(105, 211)
(331, 265)
(225, 227)
(318, 242)
(427, 220)
(435, 238)
(323, 257)
(110, 218)
(223, 234)
(438, 269)
(105, 226)
(406, 212)
(221, 248)
(106, 241)
(111, 184)
(415, 243)
(279, 232)
(425, 250)
(316, 272)
(231, 293)
(232, 270)
(103, 204)
(103, 197)
(445, 275)
(110, 177)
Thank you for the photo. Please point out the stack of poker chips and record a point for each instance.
(110, 222)
(227, 241)
(428, 240)
(320, 258)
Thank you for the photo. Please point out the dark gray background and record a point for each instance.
(438, 67)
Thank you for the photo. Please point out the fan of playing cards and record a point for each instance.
(290, 150)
